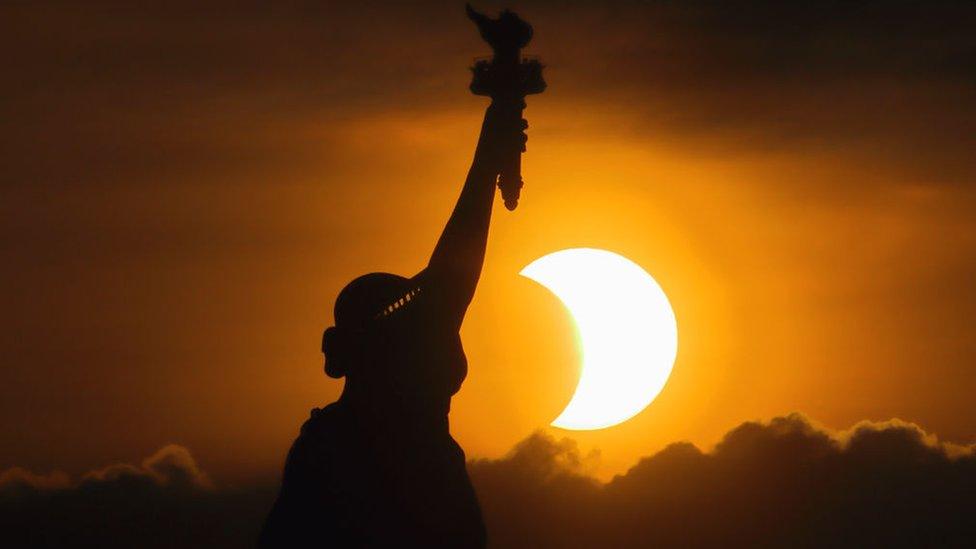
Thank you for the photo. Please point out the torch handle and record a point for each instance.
(510, 175)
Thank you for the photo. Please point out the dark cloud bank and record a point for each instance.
(786, 483)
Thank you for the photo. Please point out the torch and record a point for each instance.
(507, 78)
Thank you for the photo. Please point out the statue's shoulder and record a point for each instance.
(323, 420)
(321, 431)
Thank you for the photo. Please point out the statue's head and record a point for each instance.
(359, 305)
(507, 33)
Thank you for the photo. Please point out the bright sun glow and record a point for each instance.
(627, 330)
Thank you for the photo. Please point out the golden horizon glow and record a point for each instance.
(627, 331)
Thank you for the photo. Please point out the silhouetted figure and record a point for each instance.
(379, 468)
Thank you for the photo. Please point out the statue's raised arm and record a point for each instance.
(455, 266)
(456, 263)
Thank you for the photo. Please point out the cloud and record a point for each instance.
(134, 89)
(830, 79)
(20, 480)
(170, 468)
(165, 501)
(784, 483)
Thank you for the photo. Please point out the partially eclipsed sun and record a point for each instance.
(627, 331)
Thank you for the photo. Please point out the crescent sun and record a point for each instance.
(627, 332)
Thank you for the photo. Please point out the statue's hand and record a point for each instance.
(502, 134)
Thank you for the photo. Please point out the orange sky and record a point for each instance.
(188, 190)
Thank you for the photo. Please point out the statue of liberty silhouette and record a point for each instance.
(378, 467)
